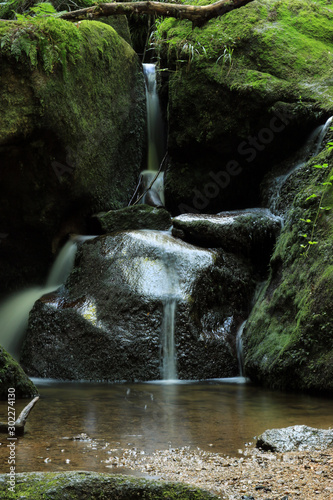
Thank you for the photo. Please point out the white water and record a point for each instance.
(310, 149)
(14, 312)
(155, 126)
(239, 347)
(169, 369)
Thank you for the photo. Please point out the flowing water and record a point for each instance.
(311, 148)
(213, 415)
(14, 312)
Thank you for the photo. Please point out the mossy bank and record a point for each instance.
(288, 340)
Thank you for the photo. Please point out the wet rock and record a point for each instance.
(12, 376)
(296, 438)
(75, 485)
(250, 232)
(108, 323)
(129, 218)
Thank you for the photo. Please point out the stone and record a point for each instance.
(107, 323)
(295, 438)
(250, 232)
(83, 484)
(131, 218)
(12, 376)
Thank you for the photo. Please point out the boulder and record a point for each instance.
(82, 484)
(126, 290)
(243, 91)
(295, 438)
(12, 376)
(72, 138)
(129, 218)
(250, 232)
(288, 338)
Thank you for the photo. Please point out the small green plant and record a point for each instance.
(325, 187)
(225, 58)
(38, 38)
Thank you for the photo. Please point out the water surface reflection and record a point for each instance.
(80, 425)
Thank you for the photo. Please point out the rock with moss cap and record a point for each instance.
(72, 485)
(12, 375)
(72, 135)
(129, 218)
(244, 88)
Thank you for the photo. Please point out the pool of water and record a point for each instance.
(78, 426)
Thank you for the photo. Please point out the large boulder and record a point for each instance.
(13, 377)
(243, 91)
(125, 292)
(82, 484)
(295, 438)
(288, 339)
(250, 232)
(72, 136)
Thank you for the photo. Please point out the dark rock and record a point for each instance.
(108, 323)
(12, 376)
(131, 218)
(84, 485)
(251, 232)
(295, 438)
(66, 150)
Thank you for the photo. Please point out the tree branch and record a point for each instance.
(199, 15)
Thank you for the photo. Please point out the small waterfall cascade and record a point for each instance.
(311, 148)
(155, 126)
(239, 347)
(14, 312)
(156, 139)
(171, 293)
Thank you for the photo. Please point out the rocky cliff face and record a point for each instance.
(72, 136)
(243, 92)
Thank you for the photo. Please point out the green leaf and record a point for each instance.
(317, 166)
(313, 242)
(325, 208)
(306, 220)
(312, 196)
(327, 184)
(304, 235)
(303, 246)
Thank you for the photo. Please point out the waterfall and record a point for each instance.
(239, 347)
(169, 370)
(14, 312)
(311, 148)
(155, 128)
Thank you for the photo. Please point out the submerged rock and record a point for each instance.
(250, 232)
(131, 218)
(296, 438)
(82, 484)
(110, 320)
(12, 376)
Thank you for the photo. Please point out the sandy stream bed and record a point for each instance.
(253, 475)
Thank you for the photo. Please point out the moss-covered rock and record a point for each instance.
(129, 218)
(72, 133)
(92, 485)
(12, 376)
(243, 92)
(288, 340)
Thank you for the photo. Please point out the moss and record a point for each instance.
(289, 335)
(12, 375)
(90, 485)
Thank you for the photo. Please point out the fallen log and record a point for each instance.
(199, 15)
(21, 420)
